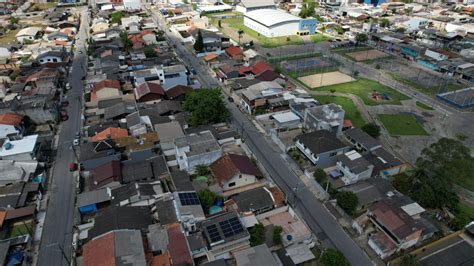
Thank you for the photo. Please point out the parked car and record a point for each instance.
(76, 142)
(68, 86)
(64, 103)
(64, 116)
(73, 167)
(78, 134)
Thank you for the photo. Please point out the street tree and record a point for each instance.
(199, 44)
(149, 52)
(348, 201)
(372, 129)
(219, 23)
(361, 38)
(257, 235)
(206, 107)
(409, 260)
(332, 257)
(319, 175)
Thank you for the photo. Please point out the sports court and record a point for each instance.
(367, 55)
(325, 79)
(306, 64)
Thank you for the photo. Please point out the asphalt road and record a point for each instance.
(56, 242)
(318, 218)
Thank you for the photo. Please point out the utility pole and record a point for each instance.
(62, 251)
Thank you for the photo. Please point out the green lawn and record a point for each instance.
(431, 91)
(402, 125)
(237, 23)
(319, 38)
(364, 88)
(21, 229)
(468, 210)
(347, 104)
(9, 37)
(424, 106)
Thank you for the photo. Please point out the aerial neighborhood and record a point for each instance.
(251, 132)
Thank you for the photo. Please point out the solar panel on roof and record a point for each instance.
(231, 227)
(213, 233)
(188, 198)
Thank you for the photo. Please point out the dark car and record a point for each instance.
(73, 167)
(64, 116)
(230, 99)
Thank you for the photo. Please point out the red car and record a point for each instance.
(73, 167)
(64, 116)
(64, 103)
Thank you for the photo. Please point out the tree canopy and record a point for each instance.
(319, 175)
(199, 44)
(372, 129)
(347, 200)
(409, 260)
(116, 17)
(257, 235)
(307, 9)
(361, 38)
(384, 23)
(126, 42)
(207, 199)
(206, 107)
(149, 51)
(332, 257)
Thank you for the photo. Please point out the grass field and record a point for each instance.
(21, 229)
(348, 105)
(237, 23)
(364, 87)
(9, 37)
(424, 106)
(431, 91)
(468, 210)
(402, 125)
(41, 6)
(319, 38)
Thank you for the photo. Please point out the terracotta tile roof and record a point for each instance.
(244, 70)
(278, 196)
(11, 119)
(111, 132)
(44, 73)
(100, 251)
(147, 88)
(105, 174)
(177, 247)
(397, 221)
(347, 123)
(106, 53)
(58, 42)
(161, 260)
(234, 51)
(210, 57)
(106, 83)
(260, 67)
(177, 91)
(231, 164)
(2, 217)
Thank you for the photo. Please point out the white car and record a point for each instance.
(76, 142)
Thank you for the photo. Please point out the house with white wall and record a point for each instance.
(233, 171)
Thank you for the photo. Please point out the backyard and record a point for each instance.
(9, 37)
(371, 92)
(21, 229)
(402, 125)
(42, 6)
(348, 105)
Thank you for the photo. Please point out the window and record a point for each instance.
(240, 176)
(332, 154)
(231, 184)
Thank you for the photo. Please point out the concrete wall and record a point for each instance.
(284, 29)
(240, 181)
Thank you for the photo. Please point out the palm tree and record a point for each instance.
(240, 32)
(201, 169)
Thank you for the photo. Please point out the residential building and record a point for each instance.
(174, 76)
(16, 171)
(220, 244)
(321, 147)
(353, 167)
(168, 132)
(286, 120)
(361, 141)
(52, 57)
(256, 201)
(177, 245)
(132, 4)
(107, 175)
(110, 133)
(27, 34)
(211, 40)
(91, 201)
(258, 255)
(149, 91)
(256, 95)
(25, 149)
(233, 171)
(328, 117)
(235, 53)
(188, 209)
(105, 89)
(196, 149)
(385, 163)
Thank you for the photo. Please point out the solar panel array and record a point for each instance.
(231, 227)
(188, 198)
(213, 233)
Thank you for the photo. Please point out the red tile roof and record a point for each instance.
(100, 251)
(347, 123)
(106, 53)
(20, 212)
(177, 91)
(112, 133)
(177, 246)
(210, 57)
(230, 165)
(244, 70)
(161, 260)
(11, 119)
(268, 75)
(260, 67)
(147, 88)
(106, 83)
(234, 51)
(2, 217)
(44, 73)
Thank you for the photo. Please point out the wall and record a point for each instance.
(49, 59)
(284, 29)
(240, 181)
(205, 158)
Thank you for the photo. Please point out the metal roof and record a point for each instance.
(271, 17)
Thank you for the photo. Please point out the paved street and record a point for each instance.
(321, 222)
(57, 231)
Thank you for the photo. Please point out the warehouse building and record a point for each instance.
(250, 5)
(275, 23)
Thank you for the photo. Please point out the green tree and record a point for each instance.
(13, 20)
(126, 42)
(400, 30)
(207, 199)
(384, 23)
(199, 44)
(116, 17)
(201, 169)
(241, 33)
(409, 260)
(219, 23)
(332, 257)
(149, 51)
(361, 38)
(372, 129)
(277, 235)
(257, 235)
(460, 220)
(348, 201)
(319, 175)
(206, 107)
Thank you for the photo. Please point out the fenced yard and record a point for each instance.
(325, 79)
